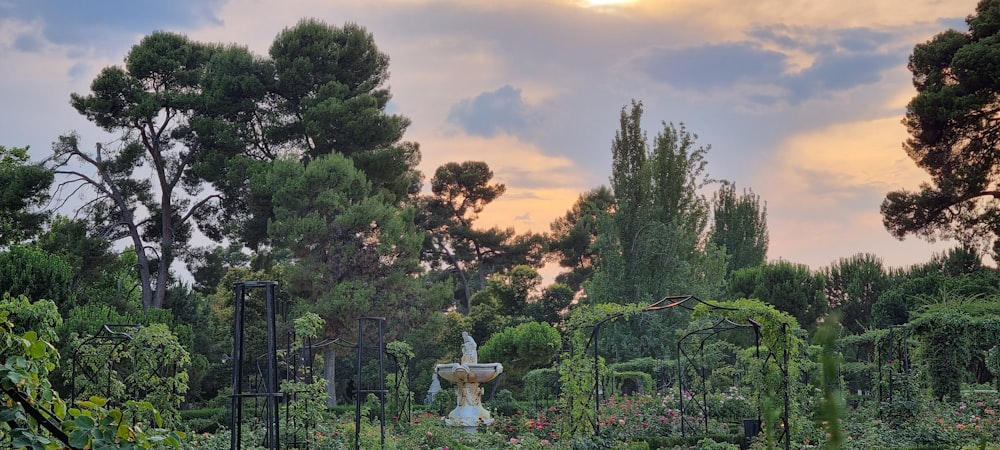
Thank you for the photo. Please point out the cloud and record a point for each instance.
(778, 63)
(502, 111)
(28, 43)
(840, 72)
(87, 23)
(712, 66)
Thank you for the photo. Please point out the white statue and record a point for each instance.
(470, 353)
(433, 389)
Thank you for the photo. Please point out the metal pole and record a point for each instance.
(272, 370)
(680, 383)
(597, 379)
(236, 419)
(381, 378)
(359, 391)
(784, 420)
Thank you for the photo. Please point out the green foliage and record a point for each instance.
(183, 109)
(662, 371)
(205, 420)
(831, 411)
(551, 306)
(33, 273)
(540, 384)
(150, 367)
(776, 376)
(93, 425)
(739, 225)
(618, 380)
(305, 407)
(519, 349)
(949, 339)
(993, 364)
(454, 248)
(309, 324)
(653, 245)
(100, 274)
(953, 277)
(573, 236)
(792, 288)
(577, 371)
(332, 83)
(439, 340)
(954, 78)
(355, 251)
(23, 188)
(853, 285)
(28, 361)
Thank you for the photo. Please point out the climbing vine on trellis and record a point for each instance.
(776, 372)
(577, 371)
(948, 339)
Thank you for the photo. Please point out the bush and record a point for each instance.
(541, 384)
(206, 420)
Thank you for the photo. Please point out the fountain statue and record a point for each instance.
(468, 375)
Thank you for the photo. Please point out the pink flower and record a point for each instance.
(960, 426)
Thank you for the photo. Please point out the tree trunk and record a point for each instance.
(330, 372)
(166, 247)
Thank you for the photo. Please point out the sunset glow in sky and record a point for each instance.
(800, 100)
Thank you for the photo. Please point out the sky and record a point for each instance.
(799, 100)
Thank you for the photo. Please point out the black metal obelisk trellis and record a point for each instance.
(242, 388)
(378, 387)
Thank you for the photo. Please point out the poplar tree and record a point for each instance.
(653, 244)
(739, 225)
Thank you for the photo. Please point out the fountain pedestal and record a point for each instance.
(468, 375)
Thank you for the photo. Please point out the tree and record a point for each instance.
(172, 105)
(789, 287)
(739, 225)
(954, 134)
(521, 348)
(100, 275)
(853, 285)
(32, 273)
(654, 243)
(24, 187)
(331, 82)
(460, 191)
(573, 236)
(551, 305)
(356, 253)
(328, 95)
(209, 265)
(954, 276)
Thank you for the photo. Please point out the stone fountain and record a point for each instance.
(468, 375)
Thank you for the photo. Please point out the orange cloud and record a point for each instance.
(539, 187)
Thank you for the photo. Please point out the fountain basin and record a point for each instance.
(469, 372)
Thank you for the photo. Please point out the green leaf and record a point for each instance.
(84, 422)
(10, 414)
(37, 349)
(79, 438)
